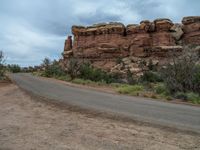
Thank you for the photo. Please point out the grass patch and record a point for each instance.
(134, 90)
(63, 78)
(88, 82)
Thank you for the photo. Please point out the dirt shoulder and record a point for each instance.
(29, 124)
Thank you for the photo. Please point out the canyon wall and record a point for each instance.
(115, 47)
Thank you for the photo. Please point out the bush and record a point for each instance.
(88, 72)
(189, 96)
(181, 95)
(183, 74)
(73, 68)
(161, 89)
(82, 81)
(131, 78)
(2, 67)
(193, 97)
(14, 68)
(52, 69)
(63, 78)
(150, 76)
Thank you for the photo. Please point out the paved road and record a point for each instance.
(175, 115)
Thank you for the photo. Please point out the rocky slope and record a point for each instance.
(116, 48)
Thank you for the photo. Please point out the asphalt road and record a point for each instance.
(142, 109)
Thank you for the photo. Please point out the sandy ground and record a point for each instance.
(29, 124)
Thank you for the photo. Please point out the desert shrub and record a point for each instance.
(150, 76)
(161, 89)
(55, 70)
(14, 68)
(2, 67)
(73, 68)
(88, 72)
(130, 89)
(82, 81)
(63, 77)
(193, 97)
(183, 75)
(52, 69)
(131, 78)
(181, 95)
(196, 80)
(189, 96)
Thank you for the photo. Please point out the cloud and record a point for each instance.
(31, 30)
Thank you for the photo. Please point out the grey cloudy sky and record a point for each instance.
(33, 29)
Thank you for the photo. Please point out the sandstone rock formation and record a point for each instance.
(105, 44)
(191, 28)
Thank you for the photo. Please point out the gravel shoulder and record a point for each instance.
(29, 124)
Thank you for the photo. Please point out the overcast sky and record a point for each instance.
(33, 29)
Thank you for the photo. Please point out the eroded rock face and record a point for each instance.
(103, 44)
(177, 31)
(163, 24)
(191, 28)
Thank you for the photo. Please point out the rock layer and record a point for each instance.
(105, 43)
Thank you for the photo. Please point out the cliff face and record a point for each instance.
(103, 44)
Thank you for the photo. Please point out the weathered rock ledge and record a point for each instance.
(105, 43)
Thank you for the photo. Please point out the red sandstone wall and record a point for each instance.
(113, 40)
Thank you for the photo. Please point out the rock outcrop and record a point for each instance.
(191, 28)
(105, 43)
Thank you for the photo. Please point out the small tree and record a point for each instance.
(2, 67)
(14, 68)
(46, 65)
(52, 68)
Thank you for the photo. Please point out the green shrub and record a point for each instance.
(63, 78)
(161, 89)
(52, 69)
(130, 89)
(150, 76)
(73, 68)
(193, 97)
(14, 68)
(2, 67)
(88, 72)
(181, 95)
(82, 81)
(131, 78)
(189, 96)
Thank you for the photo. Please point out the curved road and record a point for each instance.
(161, 113)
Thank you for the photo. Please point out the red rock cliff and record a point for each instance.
(104, 43)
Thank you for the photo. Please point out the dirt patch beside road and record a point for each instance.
(28, 124)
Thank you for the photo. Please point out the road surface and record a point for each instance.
(161, 113)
